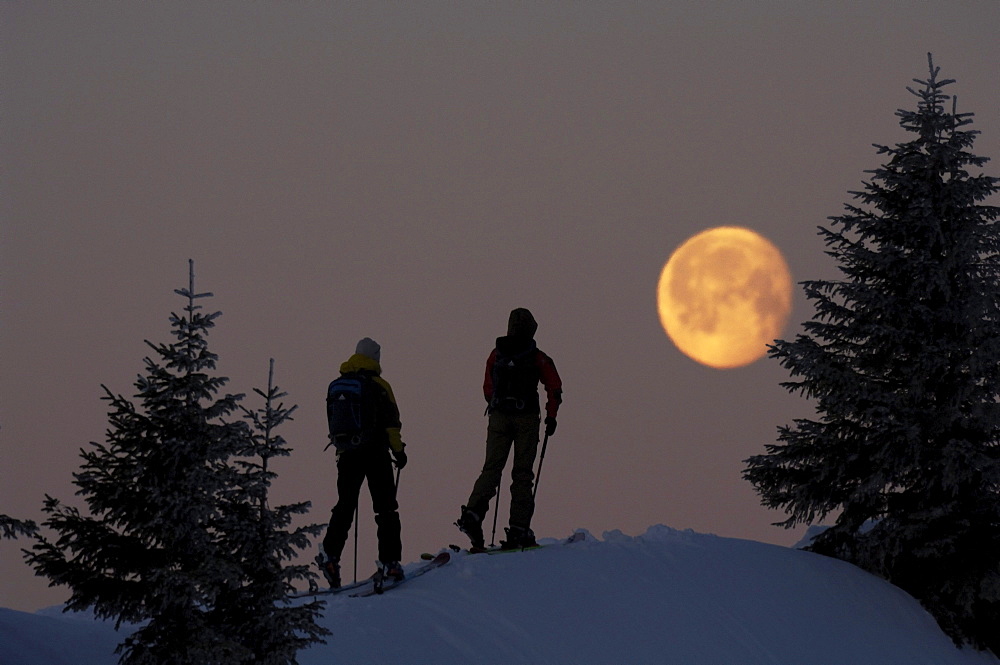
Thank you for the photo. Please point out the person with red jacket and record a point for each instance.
(513, 371)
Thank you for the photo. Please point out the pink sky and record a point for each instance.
(411, 173)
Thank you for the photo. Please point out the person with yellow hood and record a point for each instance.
(368, 452)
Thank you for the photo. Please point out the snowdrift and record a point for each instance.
(666, 596)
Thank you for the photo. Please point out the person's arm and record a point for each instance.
(488, 381)
(390, 416)
(552, 383)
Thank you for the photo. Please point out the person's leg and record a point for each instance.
(499, 437)
(498, 442)
(350, 474)
(522, 502)
(382, 485)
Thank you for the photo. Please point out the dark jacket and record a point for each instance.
(534, 366)
(388, 412)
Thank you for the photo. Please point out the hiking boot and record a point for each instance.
(471, 525)
(330, 569)
(393, 571)
(518, 538)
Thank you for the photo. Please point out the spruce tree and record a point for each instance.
(902, 362)
(161, 543)
(12, 528)
(258, 610)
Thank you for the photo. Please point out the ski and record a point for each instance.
(427, 556)
(325, 591)
(380, 584)
(496, 549)
(576, 537)
(315, 590)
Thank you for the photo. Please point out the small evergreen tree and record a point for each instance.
(903, 362)
(258, 611)
(163, 544)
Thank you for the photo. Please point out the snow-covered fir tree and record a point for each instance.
(160, 545)
(261, 540)
(902, 360)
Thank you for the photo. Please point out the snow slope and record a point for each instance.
(666, 596)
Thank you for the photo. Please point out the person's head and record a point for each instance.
(369, 347)
(521, 323)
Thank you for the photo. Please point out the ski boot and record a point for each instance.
(471, 525)
(518, 538)
(393, 571)
(330, 568)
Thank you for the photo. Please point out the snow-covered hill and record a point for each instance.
(666, 596)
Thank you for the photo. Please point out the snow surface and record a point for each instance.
(666, 596)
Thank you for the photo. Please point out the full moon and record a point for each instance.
(724, 295)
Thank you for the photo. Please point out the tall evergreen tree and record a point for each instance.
(258, 610)
(902, 360)
(160, 545)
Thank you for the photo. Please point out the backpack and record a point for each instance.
(350, 411)
(515, 381)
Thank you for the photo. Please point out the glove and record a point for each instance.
(399, 457)
(550, 426)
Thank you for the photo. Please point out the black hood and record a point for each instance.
(521, 324)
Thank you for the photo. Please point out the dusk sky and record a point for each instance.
(411, 172)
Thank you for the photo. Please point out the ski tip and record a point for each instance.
(439, 557)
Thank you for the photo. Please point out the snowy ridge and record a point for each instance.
(666, 596)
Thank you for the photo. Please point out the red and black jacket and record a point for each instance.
(513, 371)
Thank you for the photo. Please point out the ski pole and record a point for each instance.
(541, 459)
(496, 513)
(356, 509)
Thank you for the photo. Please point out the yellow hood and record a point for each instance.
(358, 362)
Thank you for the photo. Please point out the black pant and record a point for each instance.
(353, 467)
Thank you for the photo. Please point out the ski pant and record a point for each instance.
(505, 430)
(353, 467)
